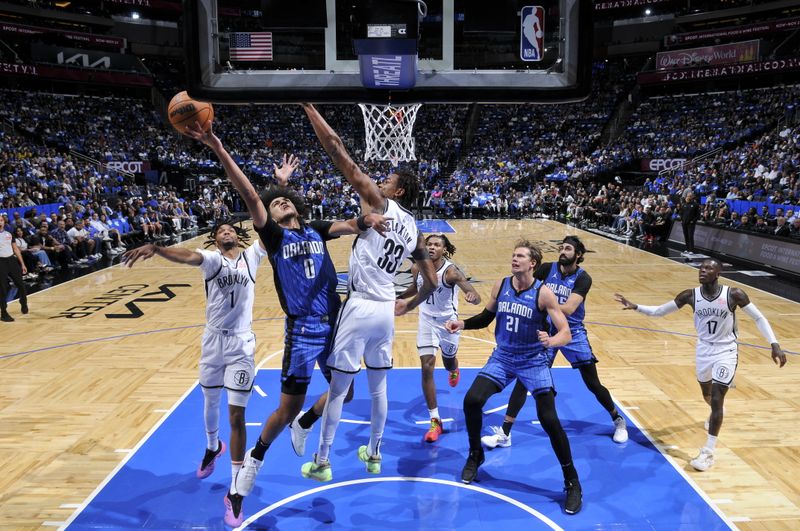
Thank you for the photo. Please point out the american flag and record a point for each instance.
(251, 46)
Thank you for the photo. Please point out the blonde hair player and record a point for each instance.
(714, 307)
(441, 306)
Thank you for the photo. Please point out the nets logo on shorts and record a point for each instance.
(241, 378)
(722, 373)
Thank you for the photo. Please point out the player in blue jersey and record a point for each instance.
(305, 280)
(571, 284)
(521, 304)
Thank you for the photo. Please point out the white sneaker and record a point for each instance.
(498, 438)
(246, 477)
(620, 430)
(704, 460)
(299, 435)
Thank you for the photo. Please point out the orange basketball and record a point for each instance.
(184, 111)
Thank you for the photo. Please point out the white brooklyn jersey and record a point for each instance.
(714, 320)
(375, 258)
(230, 287)
(442, 304)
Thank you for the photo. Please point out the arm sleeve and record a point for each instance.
(324, 229)
(582, 285)
(271, 234)
(658, 311)
(542, 271)
(482, 320)
(761, 322)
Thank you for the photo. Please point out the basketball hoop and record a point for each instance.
(388, 131)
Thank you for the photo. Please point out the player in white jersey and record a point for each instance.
(365, 327)
(228, 345)
(713, 306)
(441, 306)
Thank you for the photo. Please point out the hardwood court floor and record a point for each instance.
(99, 360)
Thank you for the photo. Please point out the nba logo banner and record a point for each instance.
(531, 43)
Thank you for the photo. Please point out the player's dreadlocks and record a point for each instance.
(449, 248)
(242, 234)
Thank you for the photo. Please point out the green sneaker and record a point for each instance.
(373, 462)
(320, 472)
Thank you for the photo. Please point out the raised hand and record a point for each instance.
(206, 137)
(626, 304)
(286, 169)
(379, 224)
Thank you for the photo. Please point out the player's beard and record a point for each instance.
(564, 261)
(287, 218)
(228, 245)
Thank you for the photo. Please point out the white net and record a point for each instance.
(388, 131)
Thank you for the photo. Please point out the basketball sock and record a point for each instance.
(615, 414)
(711, 442)
(211, 400)
(434, 413)
(308, 419)
(235, 467)
(259, 449)
(380, 408)
(507, 427)
(340, 383)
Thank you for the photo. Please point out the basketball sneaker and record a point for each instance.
(497, 438)
(299, 435)
(234, 516)
(620, 430)
(470, 471)
(432, 435)
(704, 460)
(373, 462)
(454, 377)
(206, 467)
(246, 477)
(319, 471)
(574, 499)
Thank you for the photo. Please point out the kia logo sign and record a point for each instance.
(129, 166)
(662, 164)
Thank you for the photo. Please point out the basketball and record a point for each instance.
(183, 111)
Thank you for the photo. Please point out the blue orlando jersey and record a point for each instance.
(564, 285)
(305, 278)
(519, 319)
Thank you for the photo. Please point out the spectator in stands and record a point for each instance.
(42, 240)
(81, 242)
(781, 227)
(794, 230)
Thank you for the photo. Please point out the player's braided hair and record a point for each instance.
(409, 182)
(242, 234)
(449, 248)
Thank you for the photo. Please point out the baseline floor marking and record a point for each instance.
(530, 510)
(133, 452)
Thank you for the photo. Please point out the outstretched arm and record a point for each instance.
(333, 145)
(411, 290)
(235, 175)
(483, 319)
(180, 255)
(683, 298)
(361, 224)
(741, 300)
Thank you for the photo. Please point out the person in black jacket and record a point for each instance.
(690, 213)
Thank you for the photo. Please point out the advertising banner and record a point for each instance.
(86, 58)
(737, 52)
(719, 71)
(101, 41)
(748, 30)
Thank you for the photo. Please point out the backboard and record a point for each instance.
(388, 51)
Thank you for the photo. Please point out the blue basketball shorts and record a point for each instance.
(308, 341)
(533, 370)
(578, 352)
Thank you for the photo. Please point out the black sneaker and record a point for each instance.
(233, 510)
(470, 471)
(24, 307)
(574, 496)
(4, 316)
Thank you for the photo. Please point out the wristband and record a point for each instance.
(361, 224)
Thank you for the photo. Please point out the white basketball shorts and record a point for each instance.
(432, 336)
(227, 360)
(364, 330)
(717, 362)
